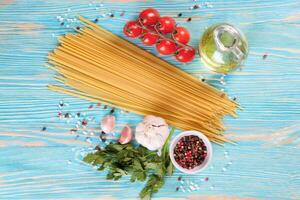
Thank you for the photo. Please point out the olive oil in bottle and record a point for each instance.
(223, 48)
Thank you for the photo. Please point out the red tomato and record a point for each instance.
(166, 47)
(185, 54)
(150, 37)
(181, 35)
(166, 25)
(149, 16)
(132, 29)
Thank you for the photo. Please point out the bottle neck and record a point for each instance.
(227, 39)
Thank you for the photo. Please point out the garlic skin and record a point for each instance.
(108, 124)
(126, 135)
(152, 132)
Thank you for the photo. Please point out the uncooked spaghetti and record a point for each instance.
(100, 66)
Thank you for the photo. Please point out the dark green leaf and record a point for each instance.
(137, 164)
(90, 158)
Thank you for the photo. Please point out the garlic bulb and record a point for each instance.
(152, 132)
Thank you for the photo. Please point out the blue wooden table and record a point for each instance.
(40, 158)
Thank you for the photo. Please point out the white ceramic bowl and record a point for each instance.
(205, 162)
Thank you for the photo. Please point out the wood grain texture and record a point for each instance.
(46, 164)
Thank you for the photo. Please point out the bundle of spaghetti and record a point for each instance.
(102, 67)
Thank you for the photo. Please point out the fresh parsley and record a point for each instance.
(138, 162)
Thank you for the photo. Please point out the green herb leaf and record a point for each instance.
(90, 158)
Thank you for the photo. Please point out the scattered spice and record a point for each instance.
(179, 178)
(203, 80)
(98, 148)
(84, 122)
(73, 130)
(98, 104)
(222, 95)
(196, 6)
(59, 114)
(189, 19)
(77, 28)
(206, 179)
(102, 137)
(105, 106)
(63, 23)
(112, 15)
(265, 56)
(44, 128)
(179, 14)
(96, 20)
(67, 115)
(177, 188)
(112, 111)
(122, 14)
(190, 152)
(91, 107)
(234, 99)
(78, 114)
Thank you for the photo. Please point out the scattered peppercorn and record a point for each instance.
(105, 106)
(180, 14)
(73, 130)
(63, 23)
(177, 188)
(91, 106)
(189, 19)
(78, 114)
(234, 99)
(84, 122)
(190, 152)
(96, 20)
(78, 28)
(265, 56)
(112, 15)
(98, 148)
(196, 6)
(44, 128)
(179, 178)
(203, 80)
(67, 115)
(112, 111)
(102, 137)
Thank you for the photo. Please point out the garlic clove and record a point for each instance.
(108, 124)
(126, 135)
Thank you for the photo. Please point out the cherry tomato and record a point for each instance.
(166, 25)
(150, 37)
(166, 47)
(149, 16)
(185, 54)
(132, 29)
(181, 35)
